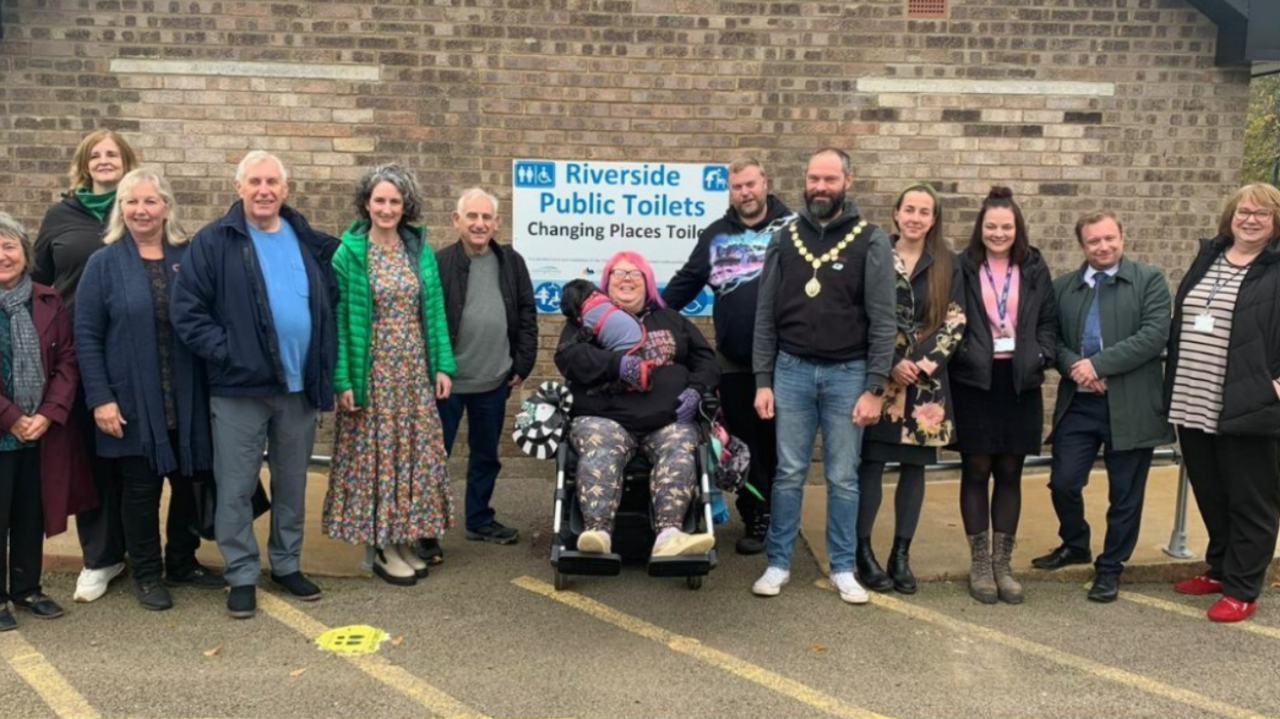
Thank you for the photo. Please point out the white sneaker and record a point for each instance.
(849, 589)
(771, 582)
(92, 583)
(594, 541)
(680, 543)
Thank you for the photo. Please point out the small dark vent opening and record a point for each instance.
(927, 8)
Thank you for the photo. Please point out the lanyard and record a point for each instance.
(1002, 301)
(1222, 281)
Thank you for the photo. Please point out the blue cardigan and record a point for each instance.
(119, 362)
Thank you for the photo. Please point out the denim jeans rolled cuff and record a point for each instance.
(809, 396)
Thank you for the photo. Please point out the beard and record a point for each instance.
(750, 207)
(824, 207)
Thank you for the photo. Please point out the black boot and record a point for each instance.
(757, 526)
(900, 566)
(869, 570)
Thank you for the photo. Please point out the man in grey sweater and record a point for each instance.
(825, 328)
(493, 328)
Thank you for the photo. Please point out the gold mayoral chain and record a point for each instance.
(813, 286)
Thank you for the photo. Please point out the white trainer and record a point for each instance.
(849, 589)
(594, 541)
(771, 582)
(92, 583)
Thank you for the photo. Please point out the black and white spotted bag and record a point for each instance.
(541, 422)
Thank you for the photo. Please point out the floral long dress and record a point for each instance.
(390, 480)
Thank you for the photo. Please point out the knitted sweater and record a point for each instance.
(355, 308)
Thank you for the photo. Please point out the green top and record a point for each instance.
(8, 442)
(355, 308)
(1134, 311)
(99, 205)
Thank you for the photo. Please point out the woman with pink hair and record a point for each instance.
(611, 424)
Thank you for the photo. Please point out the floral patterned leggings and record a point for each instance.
(604, 448)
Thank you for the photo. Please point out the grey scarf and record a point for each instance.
(28, 374)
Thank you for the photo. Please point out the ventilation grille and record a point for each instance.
(926, 8)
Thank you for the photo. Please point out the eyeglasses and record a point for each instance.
(1259, 215)
(625, 275)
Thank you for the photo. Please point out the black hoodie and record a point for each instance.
(729, 257)
(68, 235)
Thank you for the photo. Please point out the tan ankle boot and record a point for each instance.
(1007, 588)
(982, 583)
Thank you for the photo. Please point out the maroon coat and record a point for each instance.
(65, 478)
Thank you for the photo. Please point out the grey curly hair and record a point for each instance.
(401, 179)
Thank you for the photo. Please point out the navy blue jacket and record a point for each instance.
(221, 311)
(116, 344)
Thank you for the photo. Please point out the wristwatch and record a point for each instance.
(877, 391)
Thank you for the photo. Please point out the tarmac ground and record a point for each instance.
(486, 635)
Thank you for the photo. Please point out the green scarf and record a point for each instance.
(99, 205)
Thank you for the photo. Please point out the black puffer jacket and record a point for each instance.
(683, 357)
(1036, 335)
(1249, 403)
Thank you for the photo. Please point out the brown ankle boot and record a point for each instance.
(1007, 588)
(982, 583)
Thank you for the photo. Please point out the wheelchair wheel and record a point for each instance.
(695, 583)
(561, 581)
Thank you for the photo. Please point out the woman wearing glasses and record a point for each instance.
(612, 421)
(1228, 413)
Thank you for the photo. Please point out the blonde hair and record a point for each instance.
(1259, 192)
(171, 232)
(78, 173)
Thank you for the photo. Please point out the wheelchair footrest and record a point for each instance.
(687, 565)
(597, 565)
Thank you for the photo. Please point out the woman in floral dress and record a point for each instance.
(917, 416)
(389, 488)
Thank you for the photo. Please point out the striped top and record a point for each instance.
(1202, 356)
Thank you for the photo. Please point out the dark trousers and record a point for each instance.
(100, 530)
(1083, 429)
(21, 523)
(486, 413)
(1236, 481)
(140, 512)
(737, 397)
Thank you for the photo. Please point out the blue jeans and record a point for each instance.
(808, 395)
(486, 412)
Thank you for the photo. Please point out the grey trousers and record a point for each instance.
(242, 429)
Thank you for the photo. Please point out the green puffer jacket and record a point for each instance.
(355, 308)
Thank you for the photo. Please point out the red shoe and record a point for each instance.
(1230, 609)
(1203, 584)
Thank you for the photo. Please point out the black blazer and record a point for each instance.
(1035, 335)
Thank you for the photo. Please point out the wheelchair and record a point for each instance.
(633, 528)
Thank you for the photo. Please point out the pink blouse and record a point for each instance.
(991, 294)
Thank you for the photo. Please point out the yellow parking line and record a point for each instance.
(46, 680)
(1088, 666)
(693, 648)
(432, 699)
(1194, 613)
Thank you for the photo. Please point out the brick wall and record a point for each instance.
(456, 89)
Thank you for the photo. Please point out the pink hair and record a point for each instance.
(637, 259)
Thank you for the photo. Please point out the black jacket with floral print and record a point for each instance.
(921, 413)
